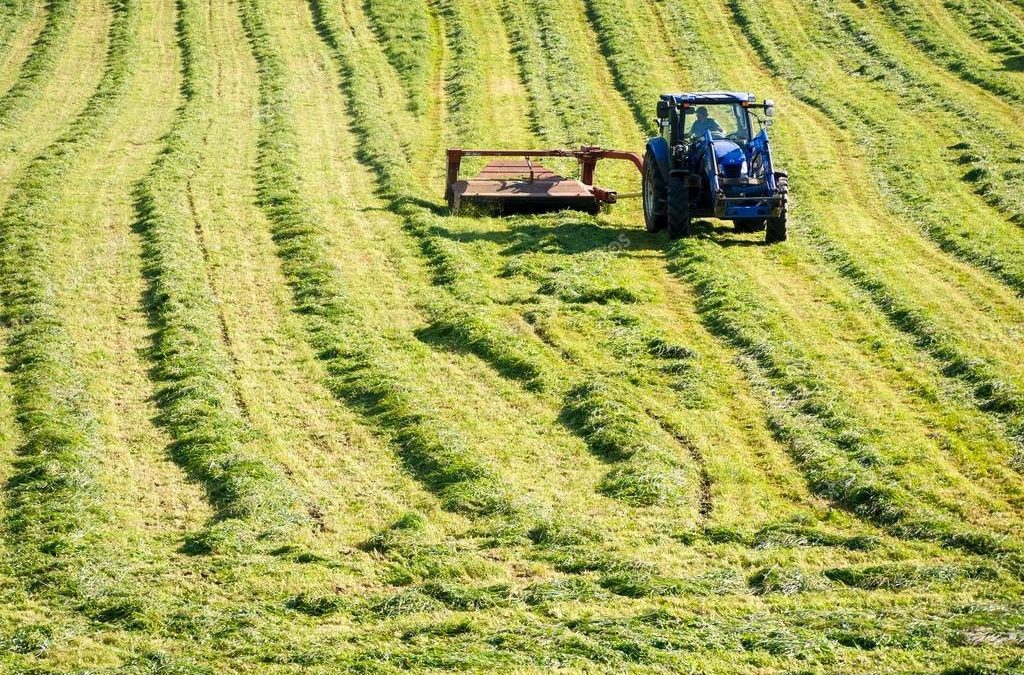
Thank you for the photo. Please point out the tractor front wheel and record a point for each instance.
(775, 231)
(653, 195)
(679, 224)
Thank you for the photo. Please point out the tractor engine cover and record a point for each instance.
(732, 161)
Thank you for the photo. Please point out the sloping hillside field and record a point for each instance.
(267, 407)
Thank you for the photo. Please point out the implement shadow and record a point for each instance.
(564, 233)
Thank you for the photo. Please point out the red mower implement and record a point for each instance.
(522, 185)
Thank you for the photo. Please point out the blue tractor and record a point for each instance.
(709, 162)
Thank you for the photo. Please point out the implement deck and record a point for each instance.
(520, 185)
(516, 183)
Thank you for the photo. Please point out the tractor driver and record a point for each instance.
(704, 123)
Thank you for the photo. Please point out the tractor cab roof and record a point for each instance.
(708, 97)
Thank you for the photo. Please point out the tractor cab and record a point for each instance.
(710, 161)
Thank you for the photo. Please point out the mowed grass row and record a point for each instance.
(523, 524)
(993, 25)
(13, 15)
(466, 326)
(937, 35)
(457, 318)
(61, 96)
(934, 325)
(548, 67)
(991, 373)
(723, 306)
(213, 440)
(874, 93)
(356, 359)
(996, 384)
(651, 468)
(411, 554)
(985, 118)
(404, 31)
(587, 276)
(53, 505)
(40, 63)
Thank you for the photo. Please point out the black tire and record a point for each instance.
(749, 224)
(775, 229)
(679, 224)
(655, 195)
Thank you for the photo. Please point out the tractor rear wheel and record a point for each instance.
(748, 224)
(775, 231)
(679, 224)
(654, 195)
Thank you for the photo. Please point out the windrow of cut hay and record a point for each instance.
(403, 27)
(628, 68)
(651, 468)
(53, 498)
(922, 31)
(467, 114)
(456, 314)
(998, 249)
(356, 358)
(648, 468)
(41, 61)
(212, 438)
(996, 177)
(548, 66)
(994, 393)
(13, 15)
(828, 439)
(510, 352)
(994, 26)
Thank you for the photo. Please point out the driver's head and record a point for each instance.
(702, 113)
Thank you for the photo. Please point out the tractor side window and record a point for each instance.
(742, 126)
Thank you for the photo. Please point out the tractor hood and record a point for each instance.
(728, 153)
(732, 161)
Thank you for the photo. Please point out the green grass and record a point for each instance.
(408, 441)
(404, 32)
(547, 65)
(52, 502)
(647, 467)
(213, 438)
(60, 14)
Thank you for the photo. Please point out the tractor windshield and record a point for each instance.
(723, 120)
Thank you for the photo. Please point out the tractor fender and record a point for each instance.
(658, 147)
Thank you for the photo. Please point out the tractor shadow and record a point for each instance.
(725, 236)
(568, 233)
(562, 233)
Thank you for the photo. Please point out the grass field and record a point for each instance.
(267, 408)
